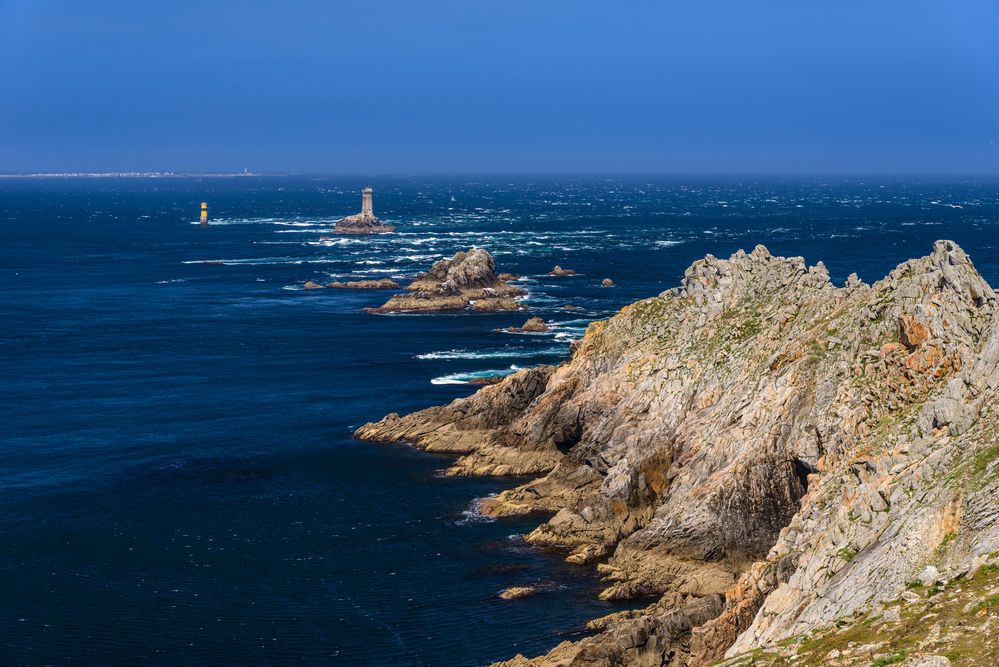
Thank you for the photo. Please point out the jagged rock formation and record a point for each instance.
(381, 283)
(559, 272)
(768, 454)
(466, 280)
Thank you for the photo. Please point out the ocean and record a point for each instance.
(178, 481)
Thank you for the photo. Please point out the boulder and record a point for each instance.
(533, 325)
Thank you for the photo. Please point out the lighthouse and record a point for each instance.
(366, 209)
(204, 213)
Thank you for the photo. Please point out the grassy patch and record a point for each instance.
(847, 554)
(891, 659)
(957, 615)
(983, 461)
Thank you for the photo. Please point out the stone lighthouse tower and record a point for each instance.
(364, 222)
(366, 208)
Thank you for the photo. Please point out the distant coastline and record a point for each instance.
(127, 174)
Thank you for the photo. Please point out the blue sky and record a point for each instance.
(564, 86)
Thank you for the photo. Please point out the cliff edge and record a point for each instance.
(776, 459)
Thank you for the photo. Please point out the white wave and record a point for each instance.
(667, 243)
(538, 298)
(175, 280)
(283, 222)
(468, 378)
(583, 322)
(418, 258)
(474, 515)
(250, 261)
(501, 353)
(330, 242)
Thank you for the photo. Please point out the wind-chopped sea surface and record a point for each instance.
(178, 483)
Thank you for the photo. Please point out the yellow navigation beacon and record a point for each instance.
(204, 213)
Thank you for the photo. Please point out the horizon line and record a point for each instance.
(137, 174)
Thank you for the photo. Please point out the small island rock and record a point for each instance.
(515, 592)
(559, 272)
(533, 325)
(607, 282)
(466, 280)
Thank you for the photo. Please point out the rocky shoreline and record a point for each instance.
(771, 456)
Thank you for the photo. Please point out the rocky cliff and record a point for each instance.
(466, 280)
(774, 458)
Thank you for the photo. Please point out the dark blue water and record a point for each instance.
(178, 484)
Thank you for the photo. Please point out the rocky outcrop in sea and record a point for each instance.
(361, 223)
(381, 283)
(798, 472)
(467, 280)
(532, 325)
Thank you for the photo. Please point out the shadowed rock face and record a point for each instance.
(466, 280)
(762, 450)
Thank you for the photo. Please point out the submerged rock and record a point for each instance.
(764, 452)
(515, 592)
(466, 280)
